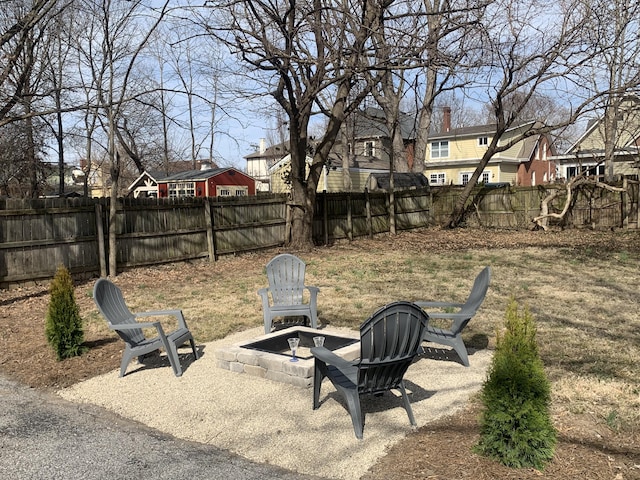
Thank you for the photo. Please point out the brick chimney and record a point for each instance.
(446, 119)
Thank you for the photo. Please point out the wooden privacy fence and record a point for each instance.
(591, 206)
(36, 236)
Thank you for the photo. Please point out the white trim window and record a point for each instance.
(440, 149)
(437, 178)
(483, 141)
(369, 149)
(232, 190)
(182, 189)
(466, 176)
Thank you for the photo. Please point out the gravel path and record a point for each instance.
(273, 423)
(43, 437)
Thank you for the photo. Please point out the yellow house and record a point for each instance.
(331, 179)
(453, 155)
(587, 153)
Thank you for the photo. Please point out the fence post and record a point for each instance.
(391, 208)
(208, 220)
(367, 202)
(325, 218)
(624, 203)
(100, 237)
(349, 218)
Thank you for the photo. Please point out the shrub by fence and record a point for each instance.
(36, 236)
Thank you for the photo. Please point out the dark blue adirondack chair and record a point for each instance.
(389, 343)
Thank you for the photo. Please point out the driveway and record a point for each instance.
(45, 437)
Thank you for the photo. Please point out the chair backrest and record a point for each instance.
(285, 273)
(389, 342)
(109, 300)
(478, 291)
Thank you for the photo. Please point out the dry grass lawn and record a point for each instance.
(582, 288)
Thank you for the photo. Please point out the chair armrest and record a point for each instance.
(450, 316)
(264, 293)
(138, 325)
(327, 356)
(312, 290)
(165, 313)
(439, 305)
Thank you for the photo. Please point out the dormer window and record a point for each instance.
(369, 149)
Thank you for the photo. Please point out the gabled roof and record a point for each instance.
(272, 152)
(629, 104)
(196, 175)
(400, 180)
(370, 123)
(475, 130)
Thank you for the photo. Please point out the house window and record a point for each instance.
(588, 170)
(466, 176)
(231, 190)
(483, 141)
(369, 150)
(182, 189)
(438, 178)
(440, 149)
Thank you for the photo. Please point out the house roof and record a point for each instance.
(370, 123)
(273, 152)
(194, 175)
(475, 130)
(400, 180)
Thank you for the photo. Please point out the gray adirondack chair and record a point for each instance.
(110, 302)
(284, 297)
(389, 343)
(452, 336)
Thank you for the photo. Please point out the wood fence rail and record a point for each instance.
(36, 236)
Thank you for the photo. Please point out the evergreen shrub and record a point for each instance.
(516, 427)
(63, 327)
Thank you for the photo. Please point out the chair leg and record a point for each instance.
(172, 353)
(407, 404)
(126, 358)
(461, 350)
(193, 347)
(268, 320)
(353, 403)
(318, 376)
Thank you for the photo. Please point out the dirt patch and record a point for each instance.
(588, 446)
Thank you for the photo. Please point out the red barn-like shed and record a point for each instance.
(214, 182)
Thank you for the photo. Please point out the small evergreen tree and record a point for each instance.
(63, 327)
(515, 427)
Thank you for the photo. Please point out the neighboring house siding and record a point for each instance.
(467, 148)
(223, 182)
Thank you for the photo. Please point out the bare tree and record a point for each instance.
(524, 63)
(21, 28)
(112, 51)
(309, 55)
(614, 31)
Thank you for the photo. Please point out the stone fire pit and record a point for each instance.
(268, 356)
